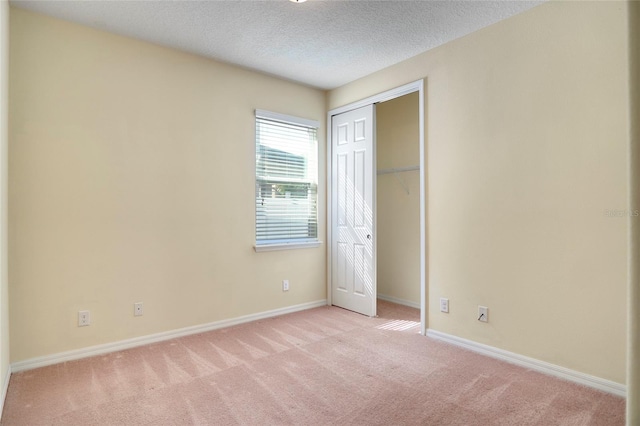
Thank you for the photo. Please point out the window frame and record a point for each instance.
(284, 244)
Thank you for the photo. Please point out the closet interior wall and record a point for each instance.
(398, 200)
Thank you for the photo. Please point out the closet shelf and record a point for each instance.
(395, 172)
(398, 170)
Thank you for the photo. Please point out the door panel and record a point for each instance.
(353, 284)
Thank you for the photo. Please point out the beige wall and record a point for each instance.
(398, 220)
(122, 154)
(4, 134)
(633, 374)
(527, 147)
(131, 178)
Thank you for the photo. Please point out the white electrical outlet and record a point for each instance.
(285, 285)
(444, 305)
(84, 318)
(137, 309)
(483, 314)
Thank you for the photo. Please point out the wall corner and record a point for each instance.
(633, 332)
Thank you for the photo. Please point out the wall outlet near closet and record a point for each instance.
(285, 285)
(444, 305)
(84, 318)
(483, 314)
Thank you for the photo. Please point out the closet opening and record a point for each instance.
(398, 200)
(357, 148)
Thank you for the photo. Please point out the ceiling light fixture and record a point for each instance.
(297, 1)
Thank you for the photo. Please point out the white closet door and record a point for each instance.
(353, 281)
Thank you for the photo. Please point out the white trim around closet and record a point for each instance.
(416, 86)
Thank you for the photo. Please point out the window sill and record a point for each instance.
(286, 246)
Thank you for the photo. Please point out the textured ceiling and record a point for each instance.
(324, 44)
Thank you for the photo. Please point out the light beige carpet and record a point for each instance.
(318, 367)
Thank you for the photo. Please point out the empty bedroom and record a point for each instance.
(319, 212)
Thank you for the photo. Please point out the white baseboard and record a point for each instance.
(533, 364)
(399, 301)
(5, 388)
(154, 338)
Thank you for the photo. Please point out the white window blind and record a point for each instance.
(286, 179)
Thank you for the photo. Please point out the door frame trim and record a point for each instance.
(416, 86)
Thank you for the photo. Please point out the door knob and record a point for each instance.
(368, 236)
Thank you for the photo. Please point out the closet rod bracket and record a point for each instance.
(396, 172)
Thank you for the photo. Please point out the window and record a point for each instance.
(286, 181)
